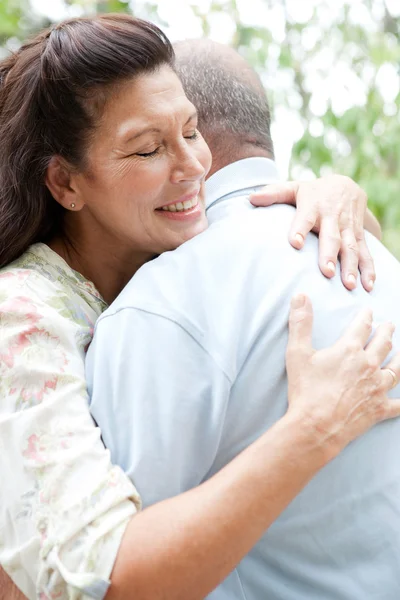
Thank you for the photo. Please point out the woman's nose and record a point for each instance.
(188, 167)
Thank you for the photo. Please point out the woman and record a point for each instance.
(98, 140)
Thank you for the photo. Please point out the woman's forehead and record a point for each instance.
(151, 100)
(151, 96)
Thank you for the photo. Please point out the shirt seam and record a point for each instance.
(240, 583)
(214, 356)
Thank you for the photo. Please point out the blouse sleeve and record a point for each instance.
(63, 506)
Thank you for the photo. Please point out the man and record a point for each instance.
(197, 370)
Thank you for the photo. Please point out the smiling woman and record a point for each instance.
(144, 177)
(101, 169)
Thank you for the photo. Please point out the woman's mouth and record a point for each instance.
(187, 211)
(181, 206)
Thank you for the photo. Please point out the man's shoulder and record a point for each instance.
(215, 263)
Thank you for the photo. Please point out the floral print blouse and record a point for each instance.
(63, 506)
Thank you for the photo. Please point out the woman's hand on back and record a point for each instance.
(340, 391)
(335, 207)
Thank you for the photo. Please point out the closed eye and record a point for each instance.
(147, 154)
(194, 135)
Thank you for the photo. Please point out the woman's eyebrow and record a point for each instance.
(140, 133)
(192, 116)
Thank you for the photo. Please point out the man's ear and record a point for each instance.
(60, 181)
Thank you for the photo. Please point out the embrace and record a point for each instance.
(192, 405)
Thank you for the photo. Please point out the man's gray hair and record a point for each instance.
(227, 93)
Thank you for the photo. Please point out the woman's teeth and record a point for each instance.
(182, 206)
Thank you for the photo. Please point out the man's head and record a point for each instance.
(234, 115)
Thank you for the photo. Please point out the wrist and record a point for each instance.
(311, 442)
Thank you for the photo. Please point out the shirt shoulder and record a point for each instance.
(240, 239)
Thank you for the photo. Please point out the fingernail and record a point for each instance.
(299, 238)
(351, 278)
(331, 266)
(371, 284)
(298, 301)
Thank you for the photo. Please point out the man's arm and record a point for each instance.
(159, 398)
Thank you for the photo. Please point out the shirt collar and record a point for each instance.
(240, 175)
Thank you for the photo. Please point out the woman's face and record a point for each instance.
(147, 164)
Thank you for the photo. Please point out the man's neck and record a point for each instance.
(223, 158)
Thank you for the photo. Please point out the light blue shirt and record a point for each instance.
(187, 368)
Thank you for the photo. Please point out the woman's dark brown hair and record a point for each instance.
(50, 94)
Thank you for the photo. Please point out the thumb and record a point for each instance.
(300, 325)
(276, 193)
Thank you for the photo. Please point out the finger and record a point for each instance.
(300, 324)
(304, 221)
(392, 409)
(381, 343)
(349, 258)
(329, 245)
(359, 330)
(276, 193)
(394, 365)
(366, 265)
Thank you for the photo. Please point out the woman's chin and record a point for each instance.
(191, 232)
(180, 230)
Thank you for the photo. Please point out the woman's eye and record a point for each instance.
(193, 136)
(147, 154)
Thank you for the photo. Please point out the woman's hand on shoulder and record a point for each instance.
(340, 391)
(335, 207)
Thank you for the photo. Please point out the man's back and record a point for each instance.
(210, 323)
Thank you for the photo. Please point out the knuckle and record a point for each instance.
(366, 256)
(350, 245)
(372, 365)
(346, 181)
(309, 221)
(367, 316)
(388, 346)
(380, 385)
(367, 268)
(380, 410)
(333, 238)
(387, 331)
(368, 327)
(352, 347)
(297, 317)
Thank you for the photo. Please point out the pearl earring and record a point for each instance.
(72, 205)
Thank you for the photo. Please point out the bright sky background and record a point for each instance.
(328, 76)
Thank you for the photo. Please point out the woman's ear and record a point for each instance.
(60, 182)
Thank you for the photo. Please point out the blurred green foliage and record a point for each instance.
(306, 57)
